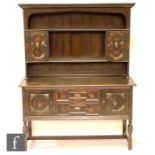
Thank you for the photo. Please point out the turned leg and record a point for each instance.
(25, 132)
(30, 128)
(25, 127)
(130, 135)
(124, 127)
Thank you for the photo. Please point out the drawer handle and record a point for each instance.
(77, 95)
(77, 108)
(74, 97)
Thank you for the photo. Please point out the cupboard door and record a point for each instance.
(117, 45)
(36, 45)
(116, 102)
(39, 104)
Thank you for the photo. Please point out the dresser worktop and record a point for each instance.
(77, 81)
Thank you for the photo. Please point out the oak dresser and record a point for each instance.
(77, 66)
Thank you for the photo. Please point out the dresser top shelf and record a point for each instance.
(95, 5)
(77, 81)
(78, 29)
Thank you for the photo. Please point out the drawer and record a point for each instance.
(77, 103)
(82, 109)
(77, 95)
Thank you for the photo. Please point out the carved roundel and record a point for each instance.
(117, 46)
(115, 101)
(36, 45)
(39, 102)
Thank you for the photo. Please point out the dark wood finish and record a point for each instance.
(32, 9)
(106, 5)
(124, 127)
(82, 44)
(73, 117)
(82, 102)
(85, 102)
(117, 45)
(77, 66)
(84, 82)
(76, 69)
(36, 45)
(80, 19)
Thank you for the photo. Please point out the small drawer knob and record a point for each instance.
(77, 95)
(77, 108)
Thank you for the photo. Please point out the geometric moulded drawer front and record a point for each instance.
(85, 109)
(36, 45)
(75, 102)
(39, 104)
(117, 45)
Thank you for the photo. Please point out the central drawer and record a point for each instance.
(73, 102)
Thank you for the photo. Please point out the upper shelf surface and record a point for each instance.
(128, 5)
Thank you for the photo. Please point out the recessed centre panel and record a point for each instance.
(77, 44)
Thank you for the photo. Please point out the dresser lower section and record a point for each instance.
(77, 102)
(90, 103)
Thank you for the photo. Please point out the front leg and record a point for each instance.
(130, 128)
(124, 127)
(25, 132)
(30, 128)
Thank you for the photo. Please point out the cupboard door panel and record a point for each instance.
(36, 45)
(117, 45)
(116, 102)
(39, 104)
